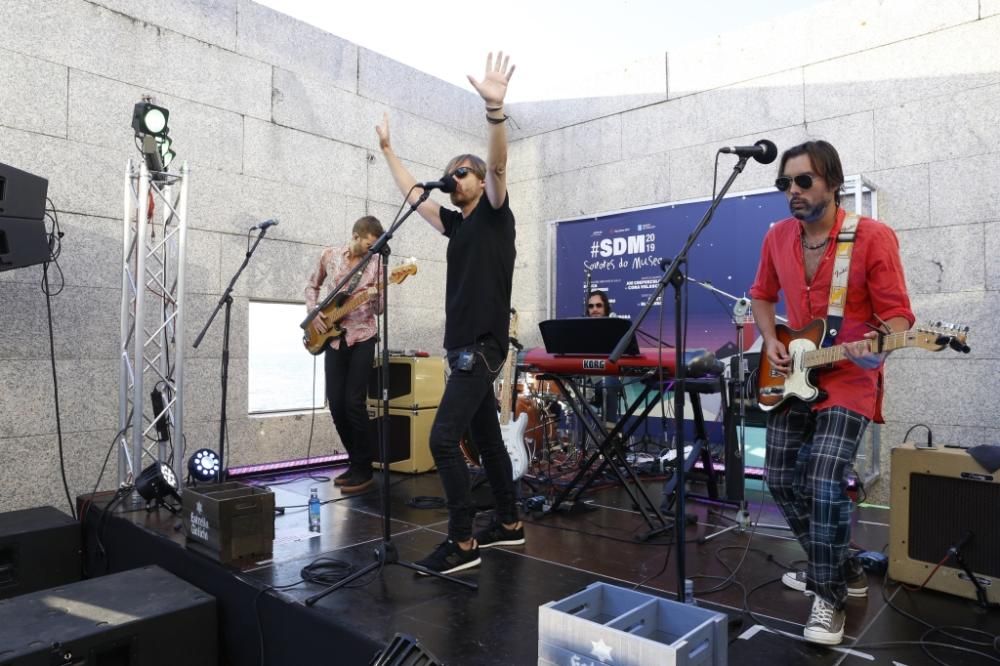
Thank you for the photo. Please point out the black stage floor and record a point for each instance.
(498, 624)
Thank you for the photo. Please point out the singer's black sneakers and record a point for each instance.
(498, 535)
(449, 557)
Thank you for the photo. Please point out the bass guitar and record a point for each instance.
(511, 428)
(337, 306)
(774, 388)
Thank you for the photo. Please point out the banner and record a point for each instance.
(624, 253)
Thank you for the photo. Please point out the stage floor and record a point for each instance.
(498, 623)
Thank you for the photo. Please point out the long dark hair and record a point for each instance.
(604, 299)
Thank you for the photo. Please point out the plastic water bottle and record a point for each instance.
(314, 507)
(689, 591)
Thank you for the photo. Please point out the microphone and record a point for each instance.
(446, 184)
(763, 151)
(264, 225)
(665, 263)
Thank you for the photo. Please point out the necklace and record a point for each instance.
(814, 247)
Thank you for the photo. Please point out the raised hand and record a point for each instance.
(382, 130)
(493, 87)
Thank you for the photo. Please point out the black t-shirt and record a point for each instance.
(480, 272)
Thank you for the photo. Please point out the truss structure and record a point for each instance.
(152, 321)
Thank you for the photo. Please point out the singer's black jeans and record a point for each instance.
(347, 370)
(469, 403)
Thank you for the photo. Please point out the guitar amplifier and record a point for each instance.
(414, 382)
(940, 497)
(409, 438)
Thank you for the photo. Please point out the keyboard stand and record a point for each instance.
(609, 451)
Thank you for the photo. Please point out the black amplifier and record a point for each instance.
(39, 548)
(142, 617)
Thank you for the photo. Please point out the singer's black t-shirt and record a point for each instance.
(480, 273)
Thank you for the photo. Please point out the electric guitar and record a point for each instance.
(512, 429)
(337, 306)
(773, 388)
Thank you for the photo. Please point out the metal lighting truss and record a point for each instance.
(152, 320)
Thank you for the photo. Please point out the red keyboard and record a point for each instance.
(649, 358)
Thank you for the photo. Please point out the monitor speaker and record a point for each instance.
(39, 548)
(414, 382)
(940, 497)
(23, 240)
(409, 438)
(141, 617)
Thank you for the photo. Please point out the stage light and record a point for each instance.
(147, 118)
(204, 465)
(157, 482)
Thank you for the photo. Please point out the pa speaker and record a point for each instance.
(23, 241)
(142, 617)
(941, 498)
(409, 438)
(414, 382)
(39, 548)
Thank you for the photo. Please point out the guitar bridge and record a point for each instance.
(773, 390)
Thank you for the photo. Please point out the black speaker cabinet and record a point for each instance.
(940, 496)
(414, 382)
(409, 438)
(142, 617)
(23, 241)
(39, 548)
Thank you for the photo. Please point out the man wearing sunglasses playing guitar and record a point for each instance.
(810, 446)
(348, 359)
(480, 273)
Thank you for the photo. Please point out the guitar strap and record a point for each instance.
(841, 270)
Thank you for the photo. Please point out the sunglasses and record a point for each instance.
(462, 172)
(784, 183)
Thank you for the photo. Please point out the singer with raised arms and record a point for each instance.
(480, 273)
(845, 269)
(348, 358)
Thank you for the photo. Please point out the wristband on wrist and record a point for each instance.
(496, 121)
(495, 108)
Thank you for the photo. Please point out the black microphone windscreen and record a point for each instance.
(770, 151)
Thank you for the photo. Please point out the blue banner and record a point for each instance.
(623, 252)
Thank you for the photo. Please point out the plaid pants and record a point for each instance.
(808, 454)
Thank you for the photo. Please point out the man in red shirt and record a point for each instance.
(811, 446)
(349, 358)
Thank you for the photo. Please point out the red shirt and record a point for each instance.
(334, 263)
(875, 285)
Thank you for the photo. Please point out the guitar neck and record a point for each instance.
(506, 391)
(828, 355)
(351, 304)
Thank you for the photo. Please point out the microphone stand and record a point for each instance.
(674, 277)
(385, 552)
(586, 296)
(227, 300)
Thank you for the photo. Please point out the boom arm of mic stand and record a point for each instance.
(229, 290)
(679, 258)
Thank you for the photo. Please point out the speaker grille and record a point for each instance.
(943, 509)
(400, 381)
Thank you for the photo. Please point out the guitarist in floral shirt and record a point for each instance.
(348, 358)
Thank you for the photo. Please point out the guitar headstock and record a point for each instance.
(939, 335)
(513, 323)
(403, 271)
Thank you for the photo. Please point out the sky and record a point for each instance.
(555, 44)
